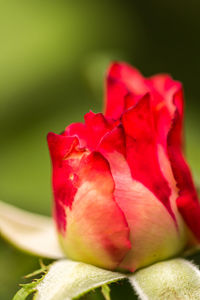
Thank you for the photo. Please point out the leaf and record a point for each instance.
(106, 291)
(25, 291)
(30, 288)
(176, 279)
(29, 232)
(69, 279)
(43, 269)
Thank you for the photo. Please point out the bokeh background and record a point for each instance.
(53, 55)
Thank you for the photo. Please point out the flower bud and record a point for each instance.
(124, 195)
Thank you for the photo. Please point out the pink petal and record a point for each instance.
(153, 233)
(97, 232)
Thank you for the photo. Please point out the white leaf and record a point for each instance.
(176, 279)
(67, 280)
(29, 232)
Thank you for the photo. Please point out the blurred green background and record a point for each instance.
(53, 55)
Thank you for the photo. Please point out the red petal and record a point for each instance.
(113, 141)
(78, 130)
(115, 93)
(97, 126)
(64, 188)
(121, 79)
(187, 203)
(133, 79)
(90, 133)
(142, 151)
(163, 88)
(131, 100)
(60, 145)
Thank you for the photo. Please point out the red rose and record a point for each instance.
(124, 195)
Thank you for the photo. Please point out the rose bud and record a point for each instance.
(124, 195)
